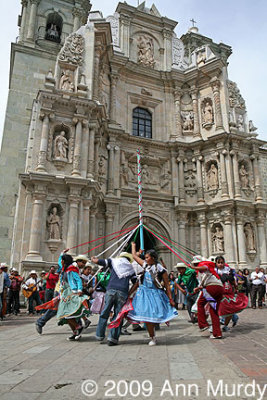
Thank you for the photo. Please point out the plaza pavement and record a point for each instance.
(48, 367)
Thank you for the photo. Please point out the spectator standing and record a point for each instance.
(16, 280)
(5, 284)
(31, 290)
(51, 281)
(257, 278)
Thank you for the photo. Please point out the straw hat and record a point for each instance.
(3, 265)
(33, 272)
(181, 265)
(197, 259)
(88, 264)
(126, 255)
(212, 258)
(81, 257)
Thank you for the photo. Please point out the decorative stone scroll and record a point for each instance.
(73, 50)
(178, 57)
(207, 113)
(145, 48)
(235, 98)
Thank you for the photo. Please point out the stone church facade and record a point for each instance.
(85, 94)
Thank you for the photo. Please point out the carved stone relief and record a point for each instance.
(165, 176)
(250, 238)
(187, 114)
(145, 49)
(201, 57)
(115, 28)
(73, 50)
(207, 113)
(235, 98)
(217, 238)
(104, 87)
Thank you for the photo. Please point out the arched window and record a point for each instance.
(54, 27)
(142, 123)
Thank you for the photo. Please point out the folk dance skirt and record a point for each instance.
(232, 303)
(151, 304)
(71, 305)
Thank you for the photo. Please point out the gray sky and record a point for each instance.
(238, 23)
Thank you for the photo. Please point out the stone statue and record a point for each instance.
(250, 237)
(201, 58)
(66, 82)
(240, 122)
(145, 47)
(212, 177)
(188, 120)
(52, 32)
(124, 175)
(243, 176)
(54, 222)
(61, 146)
(217, 240)
(251, 126)
(145, 174)
(101, 167)
(190, 180)
(207, 113)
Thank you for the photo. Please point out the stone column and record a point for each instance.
(73, 222)
(76, 18)
(225, 193)
(125, 21)
(261, 219)
(113, 97)
(110, 148)
(117, 167)
(96, 157)
(181, 224)
(200, 193)
(92, 228)
(36, 227)
(228, 238)
(241, 239)
(44, 141)
(196, 131)
(24, 4)
(98, 52)
(215, 84)
(77, 148)
(203, 234)
(257, 180)
(109, 225)
(32, 19)
(91, 151)
(180, 160)
(234, 154)
(86, 220)
(175, 191)
(229, 173)
(84, 150)
(177, 115)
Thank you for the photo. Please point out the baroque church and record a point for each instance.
(85, 93)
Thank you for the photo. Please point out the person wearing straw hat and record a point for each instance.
(121, 273)
(31, 285)
(188, 277)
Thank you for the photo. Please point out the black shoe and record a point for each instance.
(87, 323)
(39, 329)
(125, 332)
(78, 333)
(111, 343)
(71, 338)
(138, 328)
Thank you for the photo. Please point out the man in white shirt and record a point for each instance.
(256, 278)
(31, 285)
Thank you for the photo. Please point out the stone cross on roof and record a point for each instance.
(193, 21)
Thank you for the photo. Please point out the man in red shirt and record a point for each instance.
(51, 281)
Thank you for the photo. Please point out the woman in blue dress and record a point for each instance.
(151, 304)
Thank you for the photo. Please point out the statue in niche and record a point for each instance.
(243, 176)
(145, 47)
(101, 167)
(104, 86)
(207, 113)
(61, 146)
(217, 240)
(54, 224)
(212, 178)
(124, 175)
(145, 174)
(188, 120)
(250, 237)
(66, 81)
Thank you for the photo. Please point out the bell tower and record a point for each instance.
(44, 26)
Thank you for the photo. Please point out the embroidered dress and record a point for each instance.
(231, 302)
(71, 305)
(151, 304)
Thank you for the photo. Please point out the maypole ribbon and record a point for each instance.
(140, 199)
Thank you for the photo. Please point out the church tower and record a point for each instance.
(44, 27)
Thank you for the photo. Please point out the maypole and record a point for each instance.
(140, 199)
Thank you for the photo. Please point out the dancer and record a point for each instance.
(73, 302)
(151, 304)
(188, 277)
(211, 289)
(121, 272)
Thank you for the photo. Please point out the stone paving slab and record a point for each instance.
(48, 367)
